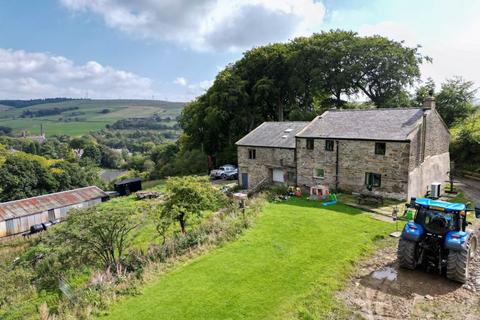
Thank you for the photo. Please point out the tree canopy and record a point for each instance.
(24, 175)
(296, 81)
(188, 197)
(454, 101)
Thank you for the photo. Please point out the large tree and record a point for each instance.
(455, 100)
(385, 68)
(334, 63)
(21, 177)
(96, 236)
(189, 197)
(295, 81)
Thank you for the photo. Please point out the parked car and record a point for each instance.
(230, 175)
(227, 171)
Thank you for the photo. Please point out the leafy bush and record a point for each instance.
(465, 147)
(278, 189)
(5, 130)
(188, 197)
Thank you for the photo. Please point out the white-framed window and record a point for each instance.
(319, 173)
(373, 179)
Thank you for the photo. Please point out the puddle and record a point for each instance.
(387, 273)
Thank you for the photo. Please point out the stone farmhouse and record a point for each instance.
(397, 153)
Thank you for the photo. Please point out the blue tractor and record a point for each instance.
(438, 239)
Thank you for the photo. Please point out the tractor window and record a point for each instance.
(436, 221)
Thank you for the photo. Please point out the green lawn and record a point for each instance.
(298, 253)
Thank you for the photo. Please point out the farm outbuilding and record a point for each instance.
(127, 186)
(18, 216)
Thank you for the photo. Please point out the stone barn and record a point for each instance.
(267, 154)
(396, 153)
(18, 216)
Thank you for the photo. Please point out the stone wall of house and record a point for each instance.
(435, 142)
(433, 169)
(437, 138)
(430, 162)
(266, 160)
(416, 148)
(356, 158)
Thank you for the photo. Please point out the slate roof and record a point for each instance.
(368, 124)
(28, 206)
(273, 134)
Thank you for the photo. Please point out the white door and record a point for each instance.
(278, 175)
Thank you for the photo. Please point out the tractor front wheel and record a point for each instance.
(406, 254)
(458, 263)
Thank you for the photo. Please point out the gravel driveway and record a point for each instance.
(471, 188)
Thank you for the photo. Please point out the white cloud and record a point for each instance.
(192, 90)
(392, 30)
(180, 81)
(453, 44)
(25, 75)
(208, 24)
(199, 87)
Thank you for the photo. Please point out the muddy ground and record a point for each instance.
(380, 290)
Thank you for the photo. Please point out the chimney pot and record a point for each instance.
(429, 102)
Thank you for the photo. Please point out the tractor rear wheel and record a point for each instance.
(406, 254)
(458, 263)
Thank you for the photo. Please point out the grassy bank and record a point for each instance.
(297, 249)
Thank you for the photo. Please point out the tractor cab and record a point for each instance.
(438, 238)
(440, 217)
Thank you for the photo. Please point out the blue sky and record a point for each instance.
(172, 49)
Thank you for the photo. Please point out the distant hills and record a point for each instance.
(32, 102)
(76, 117)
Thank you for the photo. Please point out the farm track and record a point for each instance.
(380, 290)
(471, 188)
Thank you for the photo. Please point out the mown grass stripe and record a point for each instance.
(296, 249)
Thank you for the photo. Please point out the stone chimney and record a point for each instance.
(429, 102)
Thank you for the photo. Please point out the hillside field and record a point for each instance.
(289, 265)
(89, 114)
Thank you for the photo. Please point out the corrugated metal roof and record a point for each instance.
(273, 134)
(372, 124)
(28, 206)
